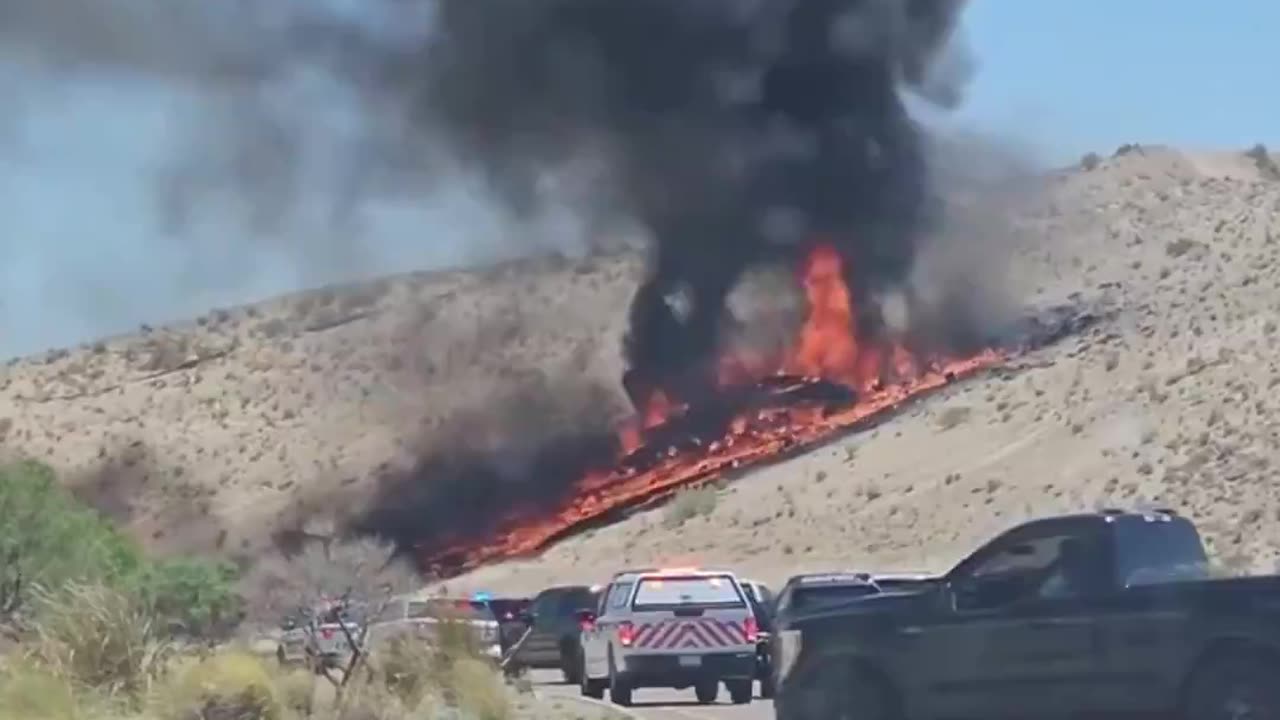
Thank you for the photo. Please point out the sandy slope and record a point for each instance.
(1171, 402)
(217, 433)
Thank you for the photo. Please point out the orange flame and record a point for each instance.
(827, 347)
(884, 374)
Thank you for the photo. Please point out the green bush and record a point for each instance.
(48, 539)
(191, 596)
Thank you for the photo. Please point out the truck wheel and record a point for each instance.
(706, 691)
(569, 664)
(619, 688)
(832, 690)
(740, 691)
(591, 688)
(1237, 687)
(766, 687)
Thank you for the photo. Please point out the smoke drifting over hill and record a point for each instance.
(161, 158)
(158, 159)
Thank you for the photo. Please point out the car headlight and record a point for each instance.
(787, 643)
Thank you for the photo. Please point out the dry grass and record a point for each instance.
(99, 638)
(80, 665)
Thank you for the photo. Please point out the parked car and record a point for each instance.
(421, 617)
(320, 638)
(553, 619)
(762, 604)
(1109, 613)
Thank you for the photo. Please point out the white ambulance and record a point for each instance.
(673, 628)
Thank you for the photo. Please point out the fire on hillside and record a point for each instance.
(833, 379)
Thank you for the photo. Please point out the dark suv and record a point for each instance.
(553, 642)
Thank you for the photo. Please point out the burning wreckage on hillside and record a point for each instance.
(669, 446)
(739, 134)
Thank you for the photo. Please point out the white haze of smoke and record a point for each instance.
(158, 159)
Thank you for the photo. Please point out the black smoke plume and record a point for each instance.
(735, 131)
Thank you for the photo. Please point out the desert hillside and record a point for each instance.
(217, 433)
(1169, 402)
(247, 420)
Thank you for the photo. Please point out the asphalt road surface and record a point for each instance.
(661, 704)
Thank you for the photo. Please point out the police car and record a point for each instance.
(670, 628)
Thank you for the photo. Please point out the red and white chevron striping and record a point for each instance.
(679, 634)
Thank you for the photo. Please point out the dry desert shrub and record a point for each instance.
(227, 685)
(689, 504)
(99, 638)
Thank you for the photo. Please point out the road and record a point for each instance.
(657, 704)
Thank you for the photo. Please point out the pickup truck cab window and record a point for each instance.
(1151, 553)
(1034, 562)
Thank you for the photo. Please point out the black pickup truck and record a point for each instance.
(1103, 614)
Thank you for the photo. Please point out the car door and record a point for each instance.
(594, 645)
(1143, 625)
(1014, 641)
(540, 647)
(614, 603)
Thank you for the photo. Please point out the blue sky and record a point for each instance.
(1070, 76)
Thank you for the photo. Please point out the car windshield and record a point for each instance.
(702, 590)
(816, 596)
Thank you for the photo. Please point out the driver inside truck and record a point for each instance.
(1074, 574)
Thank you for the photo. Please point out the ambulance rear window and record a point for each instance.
(710, 591)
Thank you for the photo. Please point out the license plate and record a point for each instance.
(690, 660)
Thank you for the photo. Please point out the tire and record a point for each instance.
(1233, 687)
(740, 691)
(619, 688)
(619, 691)
(570, 664)
(767, 690)
(707, 691)
(832, 690)
(593, 689)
